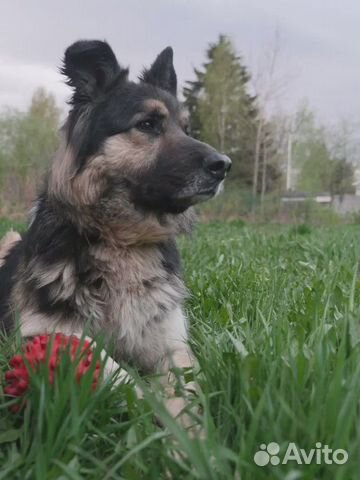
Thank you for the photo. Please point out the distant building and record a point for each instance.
(342, 204)
(346, 204)
(294, 197)
(299, 197)
(324, 198)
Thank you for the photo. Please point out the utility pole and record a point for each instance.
(263, 176)
(289, 158)
(288, 162)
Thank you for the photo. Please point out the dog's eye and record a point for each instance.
(150, 125)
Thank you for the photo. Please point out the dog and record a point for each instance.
(100, 248)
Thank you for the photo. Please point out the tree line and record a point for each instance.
(226, 114)
(271, 152)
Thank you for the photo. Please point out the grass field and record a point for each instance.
(275, 323)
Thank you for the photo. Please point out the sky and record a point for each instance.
(319, 44)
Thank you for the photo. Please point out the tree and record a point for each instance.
(320, 164)
(270, 156)
(268, 86)
(316, 167)
(27, 143)
(222, 111)
(342, 177)
(344, 146)
(344, 141)
(191, 94)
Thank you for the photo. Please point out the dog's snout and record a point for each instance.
(217, 165)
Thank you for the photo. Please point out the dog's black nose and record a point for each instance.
(217, 165)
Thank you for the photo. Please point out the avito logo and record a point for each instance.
(322, 454)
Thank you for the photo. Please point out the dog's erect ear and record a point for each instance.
(162, 73)
(90, 66)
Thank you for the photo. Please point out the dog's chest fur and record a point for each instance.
(127, 294)
(135, 293)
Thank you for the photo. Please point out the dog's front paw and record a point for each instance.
(186, 409)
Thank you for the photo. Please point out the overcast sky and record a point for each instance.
(320, 42)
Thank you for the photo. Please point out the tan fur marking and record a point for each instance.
(131, 151)
(88, 185)
(62, 172)
(127, 152)
(7, 243)
(155, 106)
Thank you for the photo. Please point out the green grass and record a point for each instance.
(275, 324)
(6, 225)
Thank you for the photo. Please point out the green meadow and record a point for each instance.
(275, 327)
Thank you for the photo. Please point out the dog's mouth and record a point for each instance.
(201, 195)
(150, 197)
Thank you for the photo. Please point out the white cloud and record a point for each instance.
(320, 41)
(19, 80)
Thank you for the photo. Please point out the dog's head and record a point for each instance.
(135, 135)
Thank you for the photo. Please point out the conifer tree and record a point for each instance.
(222, 110)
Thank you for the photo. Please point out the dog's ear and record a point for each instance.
(162, 73)
(90, 67)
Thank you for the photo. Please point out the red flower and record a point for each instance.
(35, 352)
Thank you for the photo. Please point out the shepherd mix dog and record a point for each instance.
(100, 247)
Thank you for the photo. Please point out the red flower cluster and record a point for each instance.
(35, 352)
